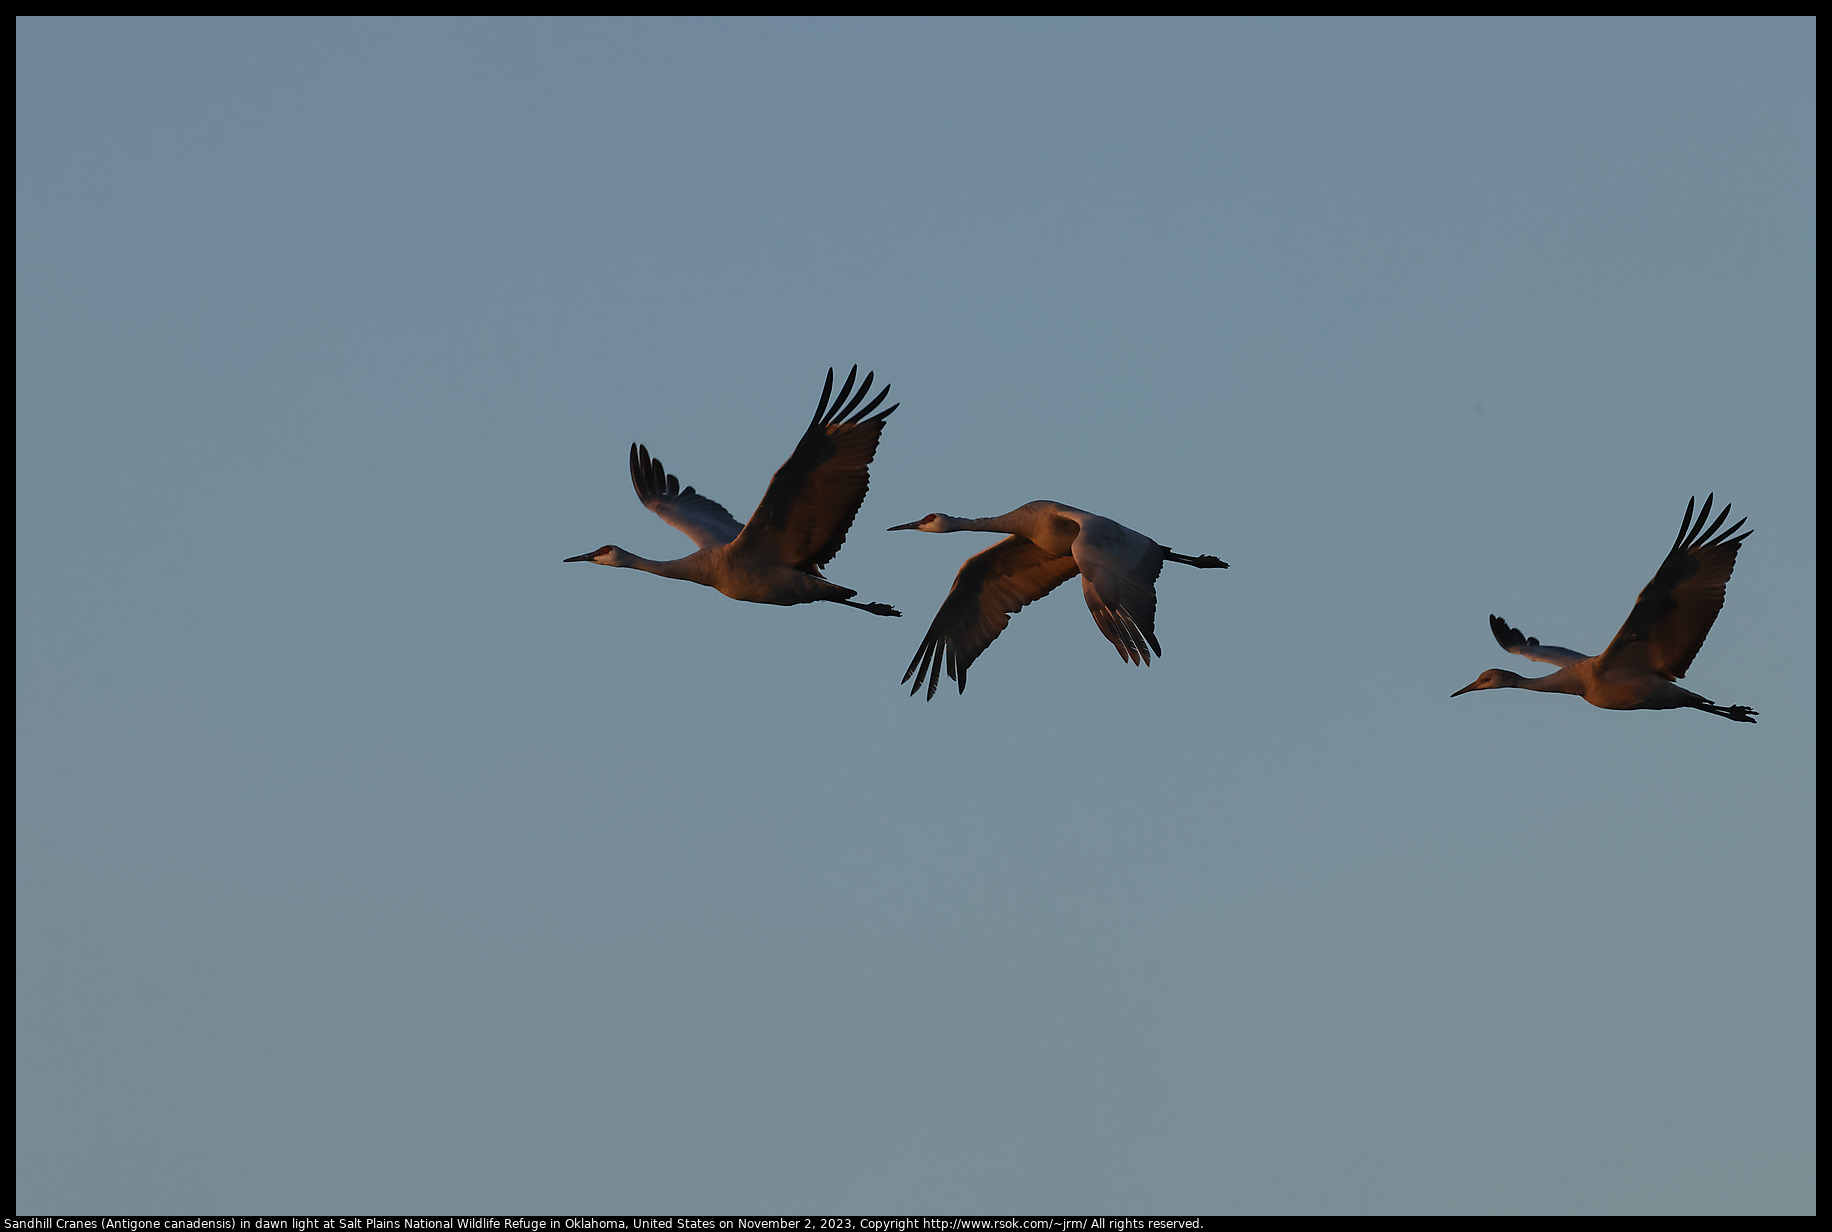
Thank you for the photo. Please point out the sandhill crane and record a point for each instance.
(1049, 544)
(1657, 642)
(799, 524)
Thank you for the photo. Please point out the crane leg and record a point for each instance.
(1200, 562)
(876, 609)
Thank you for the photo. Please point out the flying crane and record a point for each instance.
(1657, 642)
(798, 526)
(1049, 544)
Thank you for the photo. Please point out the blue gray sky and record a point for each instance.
(369, 858)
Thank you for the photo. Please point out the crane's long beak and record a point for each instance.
(906, 525)
(1466, 688)
(588, 557)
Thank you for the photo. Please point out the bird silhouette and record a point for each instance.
(798, 526)
(1049, 544)
(1657, 642)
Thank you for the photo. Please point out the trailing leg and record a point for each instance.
(876, 609)
(1199, 562)
(1736, 714)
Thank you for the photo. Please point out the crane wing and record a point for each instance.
(1675, 610)
(987, 590)
(804, 515)
(1119, 574)
(1515, 642)
(700, 518)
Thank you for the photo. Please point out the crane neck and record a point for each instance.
(1561, 681)
(694, 568)
(1014, 523)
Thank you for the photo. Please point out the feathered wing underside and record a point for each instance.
(1119, 574)
(702, 519)
(988, 589)
(803, 517)
(1515, 642)
(1677, 608)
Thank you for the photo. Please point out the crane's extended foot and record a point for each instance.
(876, 609)
(1199, 562)
(1737, 714)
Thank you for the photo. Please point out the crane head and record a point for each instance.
(1493, 678)
(936, 522)
(606, 555)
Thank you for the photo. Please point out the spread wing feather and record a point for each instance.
(1677, 608)
(702, 519)
(803, 517)
(1515, 642)
(1119, 575)
(988, 589)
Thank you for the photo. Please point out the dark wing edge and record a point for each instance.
(843, 412)
(1127, 618)
(1514, 641)
(989, 588)
(1510, 638)
(826, 478)
(1676, 609)
(700, 518)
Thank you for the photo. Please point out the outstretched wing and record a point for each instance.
(1515, 642)
(809, 506)
(987, 590)
(700, 518)
(1119, 575)
(1676, 610)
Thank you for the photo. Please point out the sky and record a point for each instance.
(370, 859)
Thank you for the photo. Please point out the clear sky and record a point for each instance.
(372, 859)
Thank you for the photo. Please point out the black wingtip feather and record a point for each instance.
(1714, 526)
(1685, 523)
(642, 472)
(846, 415)
(1507, 636)
(911, 669)
(1694, 534)
(849, 405)
(833, 410)
(873, 405)
(826, 390)
(925, 667)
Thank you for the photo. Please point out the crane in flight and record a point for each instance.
(799, 524)
(1048, 544)
(1657, 642)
